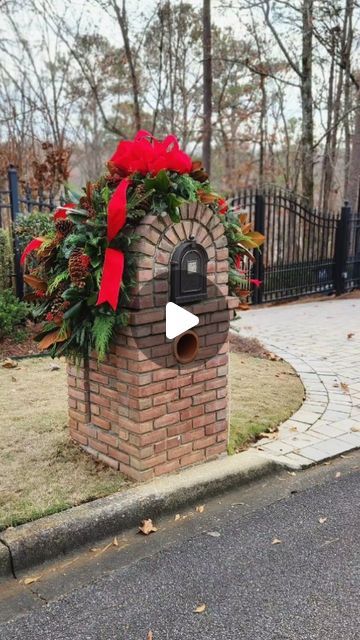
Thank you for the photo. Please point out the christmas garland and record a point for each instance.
(84, 269)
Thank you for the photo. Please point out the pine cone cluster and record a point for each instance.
(86, 204)
(79, 268)
(63, 226)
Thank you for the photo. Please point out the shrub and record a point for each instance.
(31, 225)
(13, 313)
(6, 259)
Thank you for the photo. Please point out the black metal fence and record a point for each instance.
(306, 252)
(16, 199)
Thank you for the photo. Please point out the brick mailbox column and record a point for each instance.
(140, 410)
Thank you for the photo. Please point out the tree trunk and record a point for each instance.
(207, 86)
(352, 193)
(307, 160)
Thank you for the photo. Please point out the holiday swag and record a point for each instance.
(84, 270)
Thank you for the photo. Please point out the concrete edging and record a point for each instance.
(45, 539)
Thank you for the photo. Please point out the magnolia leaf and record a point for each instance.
(256, 237)
(51, 338)
(31, 580)
(276, 541)
(243, 217)
(35, 283)
(200, 608)
(246, 228)
(9, 364)
(147, 526)
(246, 252)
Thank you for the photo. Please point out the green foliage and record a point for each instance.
(31, 225)
(6, 259)
(13, 313)
(102, 331)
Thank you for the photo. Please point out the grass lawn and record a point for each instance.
(42, 472)
(264, 393)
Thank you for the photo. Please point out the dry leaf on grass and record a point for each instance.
(9, 364)
(344, 387)
(30, 580)
(322, 520)
(350, 335)
(200, 608)
(276, 541)
(147, 526)
(200, 508)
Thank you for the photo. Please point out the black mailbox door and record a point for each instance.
(188, 273)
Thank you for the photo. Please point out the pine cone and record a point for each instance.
(86, 204)
(78, 267)
(145, 203)
(63, 226)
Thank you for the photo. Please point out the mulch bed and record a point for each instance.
(10, 348)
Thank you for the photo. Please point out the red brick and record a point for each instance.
(167, 419)
(205, 397)
(192, 412)
(216, 405)
(221, 415)
(99, 400)
(204, 420)
(99, 377)
(98, 446)
(77, 415)
(88, 430)
(163, 398)
(149, 462)
(185, 392)
(178, 405)
(179, 451)
(167, 467)
(164, 374)
(82, 406)
(76, 393)
(182, 427)
(192, 458)
(179, 382)
(135, 474)
(217, 361)
(100, 422)
(222, 371)
(202, 443)
(223, 435)
(215, 450)
(216, 383)
(119, 455)
(216, 427)
(151, 437)
(110, 439)
(72, 403)
(148, 390)
(160, 446)
(194, 434)
(82, 384)
(204, 375)
(161, 351)
(109, 461)
(75, 435)
(94, 409)
(221, 393)
(133, 378)
(108, 370)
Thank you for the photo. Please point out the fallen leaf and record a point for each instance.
(344, 387)
(200, 608)
(322, 520)
(200, 508)
(293, 429)
(213, 534)
(147, 526)
(356, 428)
(9, 364)
(350, 335)
(13, 379)
(115, 542)
(30, 580)
(291, 473)
(50, 338)
(276, 541)
(100, 550)
(337, 474)
(177, 517)
(150, 636)
(54, 367)
(236, 504)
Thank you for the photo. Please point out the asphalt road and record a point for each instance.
(306, 587)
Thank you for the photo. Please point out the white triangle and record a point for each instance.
(178, 320)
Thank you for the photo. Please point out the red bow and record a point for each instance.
(32, 246)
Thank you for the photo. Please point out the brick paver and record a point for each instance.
(321, 340)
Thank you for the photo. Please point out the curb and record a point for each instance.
(36, 542)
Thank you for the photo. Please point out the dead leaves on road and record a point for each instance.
(147, 526)
(276, 541)
(200, 608)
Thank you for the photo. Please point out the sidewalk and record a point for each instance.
(321, 340)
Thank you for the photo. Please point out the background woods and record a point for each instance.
(280, 102)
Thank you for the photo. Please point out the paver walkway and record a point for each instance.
(321, 340)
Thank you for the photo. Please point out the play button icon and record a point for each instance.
(178, 320)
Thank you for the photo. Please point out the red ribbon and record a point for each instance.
(32, 246)
(117, 209)
(111, 278)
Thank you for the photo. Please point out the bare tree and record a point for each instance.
(207, 85)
